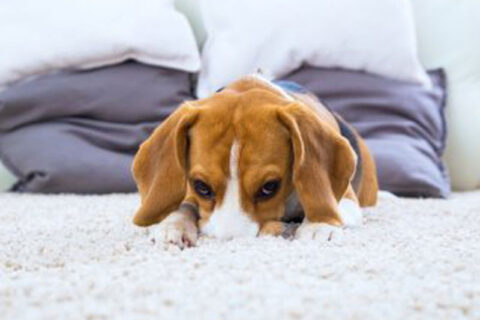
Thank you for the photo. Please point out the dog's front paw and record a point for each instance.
(318, 231)
(177, 230)
(278, 228)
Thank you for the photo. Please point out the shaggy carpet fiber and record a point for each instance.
(79, 257)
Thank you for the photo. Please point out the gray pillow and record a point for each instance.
(78, 131)
(402, 123)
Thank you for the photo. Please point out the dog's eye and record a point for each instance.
(268, 190)
(203, 189)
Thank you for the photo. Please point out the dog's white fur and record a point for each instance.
(318, 231)
(350, 212)
(351, 215)
(176, 229)
(229, 220)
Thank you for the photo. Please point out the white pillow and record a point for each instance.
(278, 36)
(449, 37)
(41, 36)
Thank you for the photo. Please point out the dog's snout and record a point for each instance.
(227, 225)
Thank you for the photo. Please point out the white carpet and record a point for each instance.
(73, 257)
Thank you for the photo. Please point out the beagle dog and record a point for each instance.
(248, 161)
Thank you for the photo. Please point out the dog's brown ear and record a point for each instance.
(159, 167)
(324, 163)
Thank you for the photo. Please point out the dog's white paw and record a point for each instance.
(176, 230)
(318, 231)
(350, 212)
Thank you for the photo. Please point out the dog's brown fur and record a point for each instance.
(296, 140)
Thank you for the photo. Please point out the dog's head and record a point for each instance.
(238, 155)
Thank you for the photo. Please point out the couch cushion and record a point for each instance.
(403, 124)
(78, 131)
(38, 37)
(351, 34)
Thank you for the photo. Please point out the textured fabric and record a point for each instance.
(403, 124)
(80, 257)
(78, 131)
